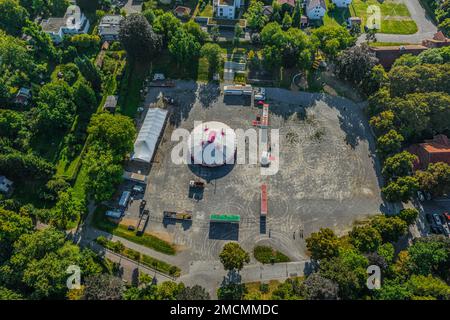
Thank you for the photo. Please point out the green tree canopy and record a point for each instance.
(233, 257)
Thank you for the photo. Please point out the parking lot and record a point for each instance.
(327, 174)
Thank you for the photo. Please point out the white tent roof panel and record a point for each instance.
(148, 136)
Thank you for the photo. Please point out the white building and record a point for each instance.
(342, 3)
(226, 8)
(109, 27)
(315, 9)
(74, 22)
(148, 137)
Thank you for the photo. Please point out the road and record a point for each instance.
(426, 27)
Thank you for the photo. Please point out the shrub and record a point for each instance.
(266, 254)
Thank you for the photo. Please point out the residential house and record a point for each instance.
(226, 8)
(287, 3)
(315, 9)
(181, 11)
(6, 185)
(431, 151)
(110, 104)
(23, 96)
(74, 22)
(109, 27)
(342, 3)
(439, 40)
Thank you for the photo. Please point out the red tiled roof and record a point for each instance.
(182, 10)
(431, 151)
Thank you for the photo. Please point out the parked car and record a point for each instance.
(428, 196)
(137, 188)
(433, 227)
(260, 94)
(446, 216)
(445, 226)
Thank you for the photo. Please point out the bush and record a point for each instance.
(264, 288)
(265, 254)
(409, 215)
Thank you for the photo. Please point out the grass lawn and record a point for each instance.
(387, 44)
(254, 288)
(131, 84)
(149, 261)
(79, 187)
(390, 12)
(147, 240)
(265, 254)
(206, 12)
(196, 70)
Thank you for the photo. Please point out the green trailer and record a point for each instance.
(228, 218)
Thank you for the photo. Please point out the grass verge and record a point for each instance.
(151, 262)
(100, 222)
(266, 254)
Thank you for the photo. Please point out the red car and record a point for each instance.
(446, 216)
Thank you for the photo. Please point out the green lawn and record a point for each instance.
(266, 254)
(100, 222)
(395, 17)
(390, 9)
(149, 261)
(206, 12)
(131, 84)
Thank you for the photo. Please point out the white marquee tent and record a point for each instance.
(148, 136)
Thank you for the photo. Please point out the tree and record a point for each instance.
(104, 173)
(166, 25)
(6, 294)
(291, 289)
(256, 19)
(323, 244)
(390, 228)
(435, 179)
(138, 38)
(215, 33)
(430, 255)
(331, 38)
(67, 209)
(12, 226)
(297, 15)
(42, 43)
(184, 47)
(213, 53)
(318, 287)
(231, 291)
(194, 29)
(371, 35)
(365, 238)
(195, 292)
(423, 287)
(112, 132)
(54, 106)
(287, 21)
(399, 165)
(356, 65)
(168, 290)
(238, 32)
(90, 72)
(401, 189)
(149, 15)
(409, 215)
(12, 16)
(84, 96)
(389, 143)
(383, 122)
(103, 287)
(233, 257)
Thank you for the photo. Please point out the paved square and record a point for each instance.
(326, 178)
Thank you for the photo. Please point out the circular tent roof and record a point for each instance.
(212, 144)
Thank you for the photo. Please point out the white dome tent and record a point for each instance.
(145, 144)
(212, 144)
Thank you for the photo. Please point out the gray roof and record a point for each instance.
(311, 4)
(53, 24)
(110, 24)
(110, 102)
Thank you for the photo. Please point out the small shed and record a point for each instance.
(110, 104)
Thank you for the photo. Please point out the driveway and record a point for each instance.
(424, 23)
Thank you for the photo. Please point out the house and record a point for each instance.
(342, 3)
(268, 11)
(23, 96)
(181, 11)
(74, 22)
(109, 27)
(5, 185)
(287, 3)
(439, 40)
(431, 151)
(110, 104)
(226, 8)
(315, 9)
(388, 54)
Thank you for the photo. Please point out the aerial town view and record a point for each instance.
(224, 150)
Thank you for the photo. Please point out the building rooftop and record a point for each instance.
(311, 4)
